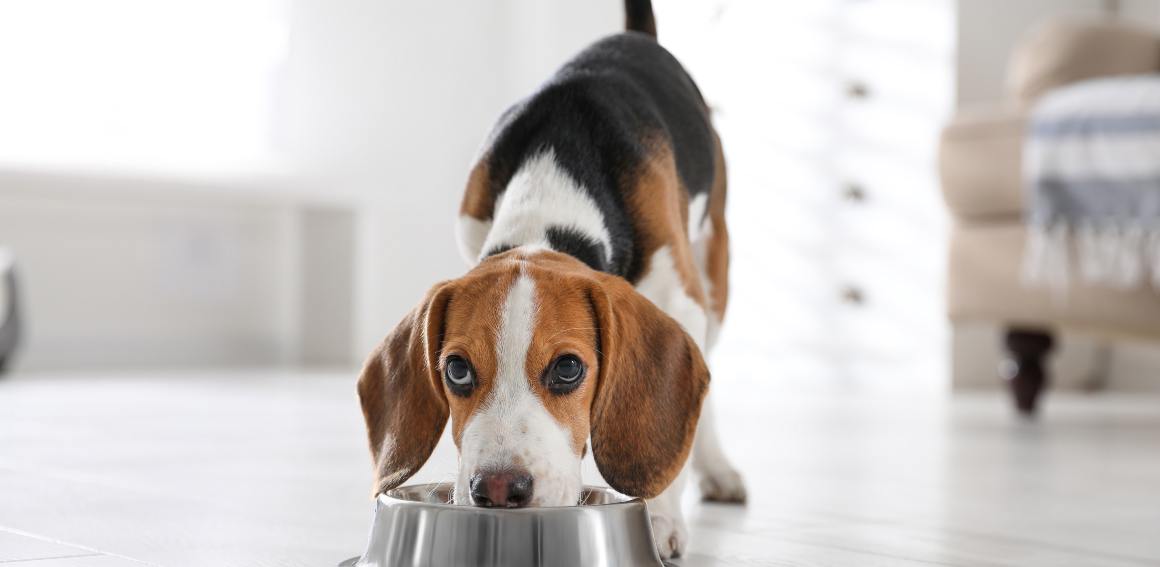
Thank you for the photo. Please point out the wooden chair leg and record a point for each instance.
(1026, 371)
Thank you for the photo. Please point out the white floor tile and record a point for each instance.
(272, 469)
(20, 547)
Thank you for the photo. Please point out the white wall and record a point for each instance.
(1146, 12)
(987, 32)
(989, 29)
(325, 275)
(395, 98)
(383, 102)
(147, 282)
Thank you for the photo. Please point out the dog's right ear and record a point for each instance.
(401, 393)
(651, 384)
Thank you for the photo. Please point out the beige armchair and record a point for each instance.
(979, 166)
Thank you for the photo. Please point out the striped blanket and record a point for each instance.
(1092, 172)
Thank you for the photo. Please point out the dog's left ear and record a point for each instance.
(652, 380)
(401, 394)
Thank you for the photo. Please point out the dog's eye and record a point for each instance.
(458, 372)
(566, 372)
(568, 368)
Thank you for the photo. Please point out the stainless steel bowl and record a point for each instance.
(414, 526)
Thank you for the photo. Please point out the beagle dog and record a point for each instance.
(595, 222)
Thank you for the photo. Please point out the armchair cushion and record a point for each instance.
(985, 283)
(979, 162)
(1067, 50)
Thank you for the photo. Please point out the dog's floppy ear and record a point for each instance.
(401, 394)
(652, 380)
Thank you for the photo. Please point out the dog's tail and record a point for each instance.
(638, 16)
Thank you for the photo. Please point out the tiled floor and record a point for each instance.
(270, 469)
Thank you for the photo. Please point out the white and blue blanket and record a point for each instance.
(1092, 172)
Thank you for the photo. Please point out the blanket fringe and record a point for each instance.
(1121, 256)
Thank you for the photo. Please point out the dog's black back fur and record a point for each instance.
(602, 114)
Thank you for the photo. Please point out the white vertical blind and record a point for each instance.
(829, 112)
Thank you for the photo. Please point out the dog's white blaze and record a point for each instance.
(512, 424)
(542, 195)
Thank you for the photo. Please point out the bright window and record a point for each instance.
(152, 84)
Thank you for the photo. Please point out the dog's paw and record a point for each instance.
(723, 485)
(670, 534)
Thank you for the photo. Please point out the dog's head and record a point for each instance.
(530, 354)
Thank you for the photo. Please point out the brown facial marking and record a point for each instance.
(639, 399)
(472, 321)
(645, 379)
(565, 324)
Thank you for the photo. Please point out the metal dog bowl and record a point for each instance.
(414, 526)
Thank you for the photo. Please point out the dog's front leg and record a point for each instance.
(719, 480)
(668, 522)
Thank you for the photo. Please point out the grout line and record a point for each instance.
(91, 550)
(31, 559)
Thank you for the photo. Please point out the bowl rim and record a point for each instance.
(386, 498)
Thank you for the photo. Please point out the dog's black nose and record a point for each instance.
(501, 488)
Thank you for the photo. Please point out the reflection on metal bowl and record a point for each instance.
(416, 526)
